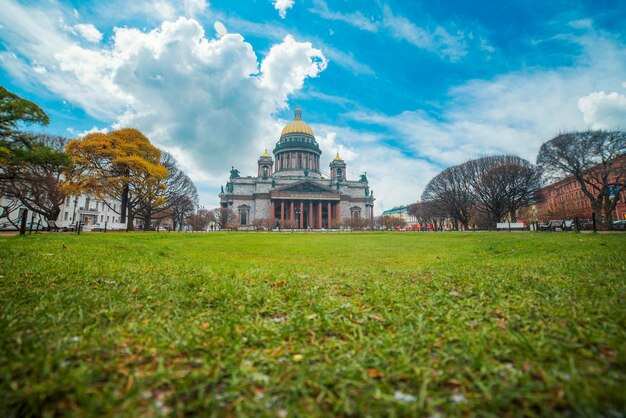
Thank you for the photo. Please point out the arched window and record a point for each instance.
(299, 160)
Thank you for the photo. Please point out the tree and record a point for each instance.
(501, 185)
(224, 218)
(15, 110)
(173, 193)
(392, 222)
(122, 165)
(36, 173)
(33, 168)
(449, 192)
(428, 214)
(181, 209)
(595, 159)
(200, 220)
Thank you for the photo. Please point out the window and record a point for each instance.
(107, 218)
(67, 200)
(65, 215)
(101, 218)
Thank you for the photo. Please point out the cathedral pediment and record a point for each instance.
(305, 187)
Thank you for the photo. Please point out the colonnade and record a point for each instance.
(301, 214)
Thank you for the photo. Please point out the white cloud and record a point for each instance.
(356, 19)
(438, 40)
(604, 111)
(581, 24)
(89, 32)
(193, 8)
(208, 101)
(282, 6)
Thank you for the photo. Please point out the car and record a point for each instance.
(97, 227)
(620, 225)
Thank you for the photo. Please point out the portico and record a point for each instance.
(304, 205)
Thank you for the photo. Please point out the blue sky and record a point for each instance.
(401, 89)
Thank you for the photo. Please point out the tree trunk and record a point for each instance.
(147, 222)
(130, 220)
(124, 204)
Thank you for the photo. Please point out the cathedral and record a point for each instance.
(290, 190)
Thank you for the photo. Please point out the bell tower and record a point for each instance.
(338, 169)
(266, 164)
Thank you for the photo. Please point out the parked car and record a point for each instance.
(620, 225)
(97, 227)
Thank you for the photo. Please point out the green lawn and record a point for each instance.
(259, 324)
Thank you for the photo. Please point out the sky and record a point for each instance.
(401, 89)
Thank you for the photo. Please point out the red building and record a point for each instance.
(565, 200)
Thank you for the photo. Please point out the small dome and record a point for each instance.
(337, 157)
(297, 125)
(266, 154)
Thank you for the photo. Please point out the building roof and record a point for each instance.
(396, 210)
(297, 125)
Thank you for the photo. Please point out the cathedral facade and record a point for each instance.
(290, 190)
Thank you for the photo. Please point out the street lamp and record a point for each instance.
(75, 204)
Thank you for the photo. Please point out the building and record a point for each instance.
(402, 212)
(565, 200)
(290, 190)
(84, 208)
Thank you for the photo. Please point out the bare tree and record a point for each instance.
(175, 196)
(595, 159)
(428, 214)
(181, 209)
(225, 218)
(200, 220)
(449, 191)
(502, 185)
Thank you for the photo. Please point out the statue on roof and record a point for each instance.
(229, 187)
(273, 182)
(222, 189)
(363, 178)
(367, 191)
(234, 173)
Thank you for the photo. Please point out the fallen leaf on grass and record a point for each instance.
(206, 325)
(297, 358)
(454, 293)
(375, 374)
(376, 318)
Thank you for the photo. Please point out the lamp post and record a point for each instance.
(75, 211)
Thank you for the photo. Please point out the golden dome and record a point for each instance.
(297, 125)
(337, 157)
(265, 153)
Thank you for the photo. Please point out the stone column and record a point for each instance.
(330, 213)
(282, 213)
(372, 215)
(319, 215)
(301, 215)
(310, 215)
(291, 216)
(272, 220)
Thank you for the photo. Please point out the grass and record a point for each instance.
(228, 324)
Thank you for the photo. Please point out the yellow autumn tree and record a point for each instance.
(119, 165)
